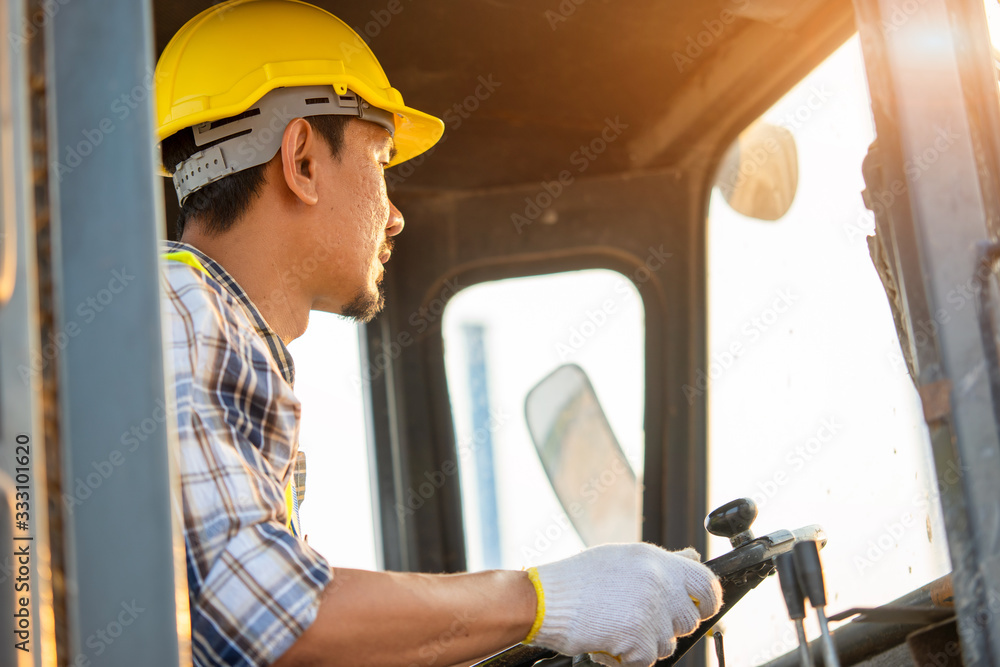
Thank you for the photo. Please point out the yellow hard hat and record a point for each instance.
(229, 56)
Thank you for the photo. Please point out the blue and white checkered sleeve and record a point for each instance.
(254, 587)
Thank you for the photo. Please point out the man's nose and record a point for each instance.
(395, 225)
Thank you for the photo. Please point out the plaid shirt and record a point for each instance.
(254, 587)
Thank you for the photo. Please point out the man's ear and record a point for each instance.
(298, 160)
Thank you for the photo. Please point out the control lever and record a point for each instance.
(739, 571)
(795, 600)
(720, 651)
(733, 520)
(809, 570)
(746, 566)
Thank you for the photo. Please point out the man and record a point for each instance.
(277, 122)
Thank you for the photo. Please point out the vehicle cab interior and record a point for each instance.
(674, 269)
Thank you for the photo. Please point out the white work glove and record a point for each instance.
(625, 604)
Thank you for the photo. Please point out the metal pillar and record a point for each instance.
(926, 63)
(126, 598)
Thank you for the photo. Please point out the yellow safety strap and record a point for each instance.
(188, 257)
(289, 503)
(185, 257)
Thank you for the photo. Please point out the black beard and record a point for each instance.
(365, 305)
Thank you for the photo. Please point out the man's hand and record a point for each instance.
(623, 603)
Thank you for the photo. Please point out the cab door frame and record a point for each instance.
(934, 95)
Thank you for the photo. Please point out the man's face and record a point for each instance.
(355, 223)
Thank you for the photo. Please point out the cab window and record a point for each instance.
(524, 504)
(336, 514)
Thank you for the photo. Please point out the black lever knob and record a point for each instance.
(733, 520)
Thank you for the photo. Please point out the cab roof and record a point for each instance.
(552, 74)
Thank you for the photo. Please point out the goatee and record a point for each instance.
(365, 305)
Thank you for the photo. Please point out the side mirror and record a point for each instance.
(585, 464)
(759, 173)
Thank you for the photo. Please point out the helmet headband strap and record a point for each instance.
(254, 137)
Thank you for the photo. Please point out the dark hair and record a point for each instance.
(220, 204)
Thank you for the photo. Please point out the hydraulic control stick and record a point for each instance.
(795, 601)
(809, 570)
